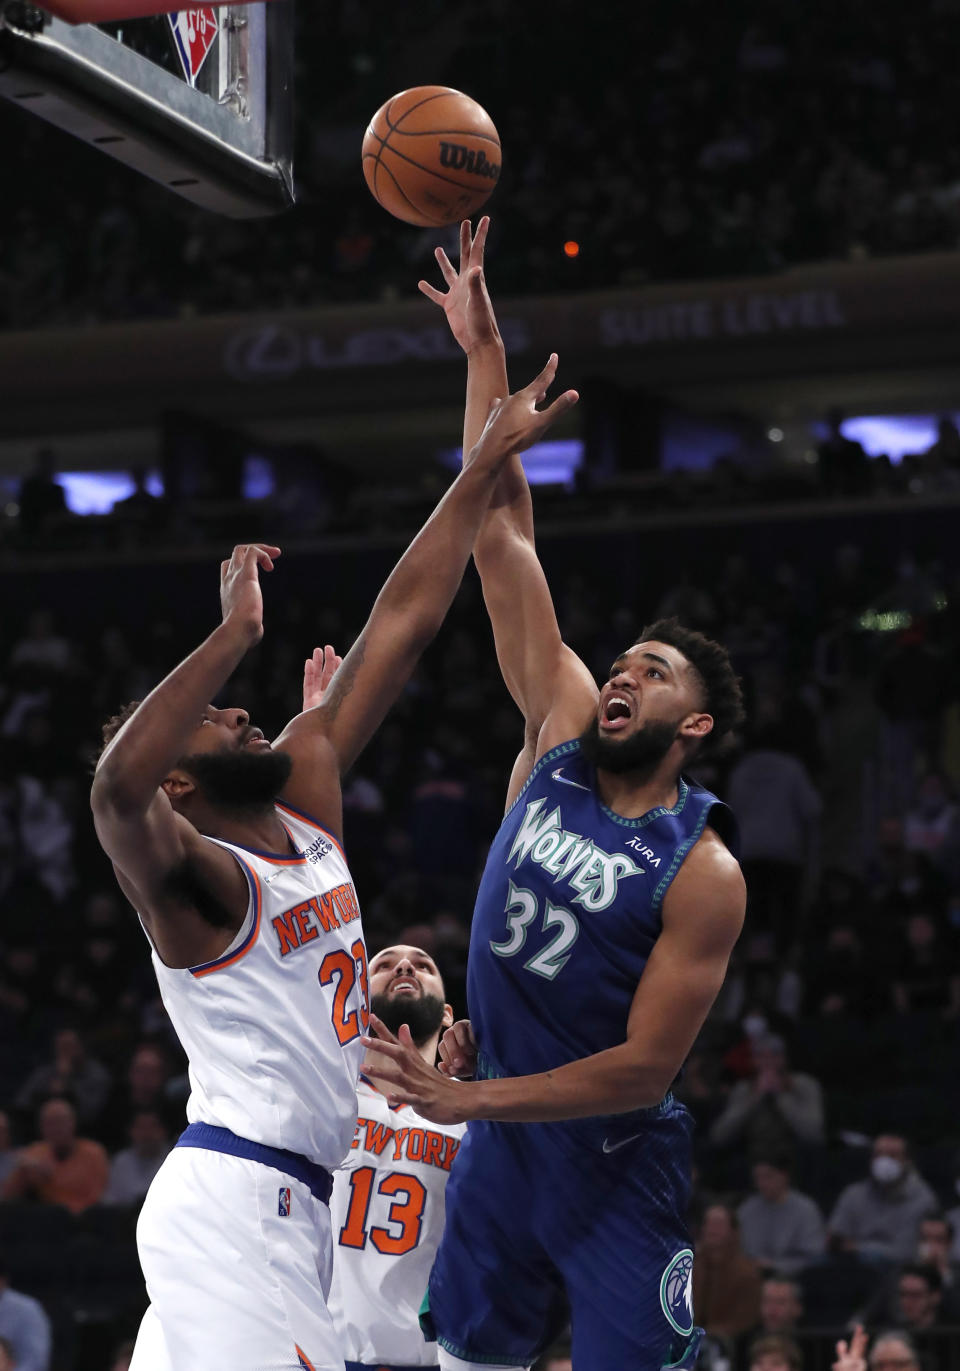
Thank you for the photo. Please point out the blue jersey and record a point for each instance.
(568, 911)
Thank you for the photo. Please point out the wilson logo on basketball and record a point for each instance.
(458, 158)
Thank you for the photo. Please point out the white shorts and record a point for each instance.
(233, 1280)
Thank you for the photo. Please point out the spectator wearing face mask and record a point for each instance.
(877, 1218)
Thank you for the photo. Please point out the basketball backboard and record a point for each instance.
(200, 100)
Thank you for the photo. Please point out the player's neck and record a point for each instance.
(632, 794)
(428, 1050)
(260, 829)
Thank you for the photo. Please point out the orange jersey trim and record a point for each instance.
(304, 1359)
(219, 963)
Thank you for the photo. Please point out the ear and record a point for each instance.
(447, 1020)
(177, 786)
(696, 726)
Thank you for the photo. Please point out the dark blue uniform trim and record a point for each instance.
(383, 1366)
(212, 1139)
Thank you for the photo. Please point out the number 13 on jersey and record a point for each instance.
(346, 970)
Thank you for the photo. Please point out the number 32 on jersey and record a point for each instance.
(522, 911)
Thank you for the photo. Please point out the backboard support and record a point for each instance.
(221, 136)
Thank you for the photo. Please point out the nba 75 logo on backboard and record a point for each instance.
(195, 32)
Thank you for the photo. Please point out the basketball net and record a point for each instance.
(109, 11)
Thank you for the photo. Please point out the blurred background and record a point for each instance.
(738, 226)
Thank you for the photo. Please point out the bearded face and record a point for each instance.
(423, 1014)
(641, 751)
(239, 781)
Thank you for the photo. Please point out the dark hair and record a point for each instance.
(926, 1272)
(723, 698)
(783, 1278)
(779, 1160)
(938, 1216)
(776, 1345)
(114, 724)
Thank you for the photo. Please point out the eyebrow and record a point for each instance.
(651, 656)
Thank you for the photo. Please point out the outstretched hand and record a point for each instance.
(465, 302)
(240, 598)
(852, 1356)
(394, 1064)
(318, 672)
(516, 423)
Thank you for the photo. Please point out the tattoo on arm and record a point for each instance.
(345, 678)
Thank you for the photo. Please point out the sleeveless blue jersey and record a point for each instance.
(567, 914)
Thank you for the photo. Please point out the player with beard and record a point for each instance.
(387, 1204)
(228, 846)
(607, 911)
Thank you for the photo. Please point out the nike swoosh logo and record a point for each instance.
(608, 1146)
(556, 776)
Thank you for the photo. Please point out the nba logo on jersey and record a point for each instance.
(283, 1205)
(195, 32)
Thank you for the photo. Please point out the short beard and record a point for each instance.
(642, 752)
(423, 1015)
(239, 782)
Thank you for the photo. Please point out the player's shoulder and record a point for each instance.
(711, 859)
(710, 875)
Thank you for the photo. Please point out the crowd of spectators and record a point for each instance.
(823, 1085)
(313, 496)
(674, 141)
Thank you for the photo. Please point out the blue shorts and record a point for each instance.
(542, 1217)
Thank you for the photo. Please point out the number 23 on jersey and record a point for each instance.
(345, 970)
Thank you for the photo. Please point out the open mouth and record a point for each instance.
(406, 986)
(256, 739)
(616, 713)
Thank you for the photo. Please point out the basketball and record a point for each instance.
(431, 156)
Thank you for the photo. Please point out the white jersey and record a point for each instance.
(387, 1210)
(272, 1027)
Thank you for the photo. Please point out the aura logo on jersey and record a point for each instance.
(640, 846)
(571, 858)
(676, 1292)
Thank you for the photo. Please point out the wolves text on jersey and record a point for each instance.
(571, 857)
(414, 1144)
(295, 927)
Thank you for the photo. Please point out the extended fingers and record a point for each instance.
(560, 405)
(480, 241)
(446, 266)
(466, 243)
(542, 383)
(431, 292)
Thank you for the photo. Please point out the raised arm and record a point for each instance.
(139, 830)
(414, 601)
(551, 686)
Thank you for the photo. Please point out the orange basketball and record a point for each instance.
(431, 156)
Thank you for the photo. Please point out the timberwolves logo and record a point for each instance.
(676, 1293)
